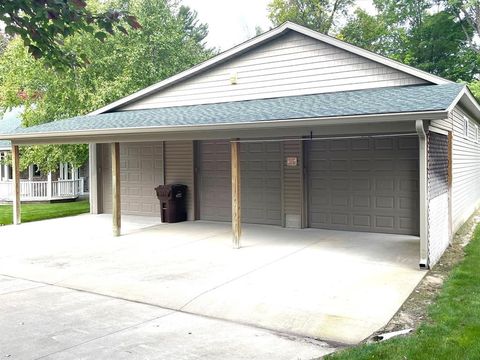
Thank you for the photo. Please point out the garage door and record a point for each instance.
(260, 180)
(140, 172)
(364, 184)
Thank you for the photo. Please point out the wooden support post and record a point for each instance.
(49, 186)
(117, 206)
(93, 184)
(236, 200)
(16, 184)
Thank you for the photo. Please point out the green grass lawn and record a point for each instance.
(452, 330)
(34, 212)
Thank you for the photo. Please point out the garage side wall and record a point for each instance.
(179, 169)
(465, 167)
(438, 196)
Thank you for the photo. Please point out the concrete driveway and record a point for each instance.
(329, 285)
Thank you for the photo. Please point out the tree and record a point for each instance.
(366, 31)
(3, 43)
(468, 14)
(439, 46)
(320, 15)
(121, 65)
(417, 33)
(44, 25)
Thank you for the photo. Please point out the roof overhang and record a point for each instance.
(468, 102)
(297, 127)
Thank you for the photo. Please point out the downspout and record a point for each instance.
(423, 193)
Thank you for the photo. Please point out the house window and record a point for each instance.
(36, 171)
(465, 126)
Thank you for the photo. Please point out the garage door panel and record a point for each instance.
(361, 220)
(385, 184)
(340, 200)
(407, 143)
(260, 166)
(385, 202)
(360, 145)
(360, 164)
(141, 172)
(361, 184)
(361, 202)
(339, 219)
(348, 190)
(339, 145)
(383, 144)
(382, 165)
(383, 222)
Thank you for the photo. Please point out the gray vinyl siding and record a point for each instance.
(293, 184)
(293, 64)
(465, 169)
(443, 124)
(179, 169)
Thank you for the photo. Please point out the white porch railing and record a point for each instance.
(31, 190)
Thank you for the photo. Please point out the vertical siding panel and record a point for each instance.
(179, 169)
(293, 184)
(293, 64)
(465, 169)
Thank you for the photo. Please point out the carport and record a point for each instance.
(296, 162)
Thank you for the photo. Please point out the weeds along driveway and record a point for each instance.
(329, 285)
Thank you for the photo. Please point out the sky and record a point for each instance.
(233, 21)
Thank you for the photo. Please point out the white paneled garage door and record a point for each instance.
(364, 184)
(260, 181)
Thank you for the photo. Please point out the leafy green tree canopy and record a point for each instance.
(417, 33)
(43, 25)
(171, 40)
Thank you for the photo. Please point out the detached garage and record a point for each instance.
(291, 128)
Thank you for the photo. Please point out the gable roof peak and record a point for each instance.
(260, 40)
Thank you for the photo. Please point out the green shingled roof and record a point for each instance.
(418, 98)
(10, 121)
